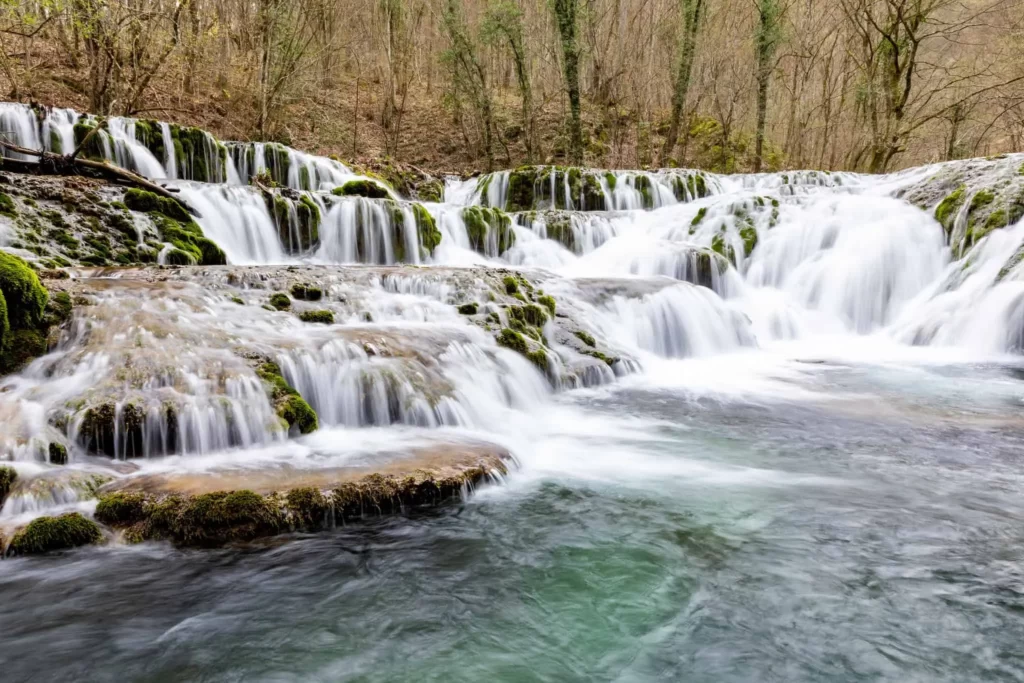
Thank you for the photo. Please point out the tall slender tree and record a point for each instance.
(690, 12)
(766, 43)
(566, 13)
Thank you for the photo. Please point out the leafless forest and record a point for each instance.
(462, 85)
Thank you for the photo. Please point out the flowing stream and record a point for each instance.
(805, 467)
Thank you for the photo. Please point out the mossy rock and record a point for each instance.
(280, 301)
(521, 184)
(468, 309)
(361, 188)
(146, 202)
(585, 337)
(489, 230)
(216, 518)
(58, 453)
(150, 508)
(24, 295)
(430, 191)
(309, 509)
(322, 317)
(47, 534)
(306, 292)
(107, 430)
(426, 228)
(7, 206)
(289, 405)
(121, 509)
(8, 475)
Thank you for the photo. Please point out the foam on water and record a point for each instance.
(721, 288)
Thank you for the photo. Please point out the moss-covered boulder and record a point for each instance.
(111, 429)
(322, 317)
(47, 534)
(430, 190)
(8, 475)
(288, 403)
(297, 218)
(489, 230)
(192, 511)
(24, 295)
(426, 229)
(362, 188)
(176, 227)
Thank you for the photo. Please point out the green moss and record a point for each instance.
(610, 180)
(179, 257)
(221, 517)
(290, 406)
(558, 227)
(608, 360)
(642, 184)
(280, 301)
(93, 150)
(237, 300)
(8, 475)
(146, 202)
(47, 534)
(699, 217)
(530, 314)
(7, 207)
(308, 508)
(430, 191)
(25, 296)
(468, 309)
(488, 229)
(361, 188)
(539, 358)
(511, 339)
(426, 228)
(585, 337)
(121, 509)
(521, 184)
(304, 292)
(298, 414)
(981, 198)
(58, 453)
(749, 236)
(548, 302)
(511, 284)
(322, 317)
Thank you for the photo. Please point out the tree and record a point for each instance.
(504, 24)
(467, 73)
(766, 41)
(566, 12)
(690, 16)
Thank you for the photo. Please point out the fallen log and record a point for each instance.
(60, 164)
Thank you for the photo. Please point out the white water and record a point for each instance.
(841, 270)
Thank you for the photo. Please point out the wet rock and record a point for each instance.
(216, 507)
(47, 534)
(971, 198)
(8, 475)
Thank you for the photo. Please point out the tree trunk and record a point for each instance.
(565, 17)
(691, 10)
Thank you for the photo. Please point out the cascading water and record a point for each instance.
(732, 390)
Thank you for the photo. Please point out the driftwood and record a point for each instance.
(70, 164)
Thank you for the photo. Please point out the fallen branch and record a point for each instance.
(59, 164)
